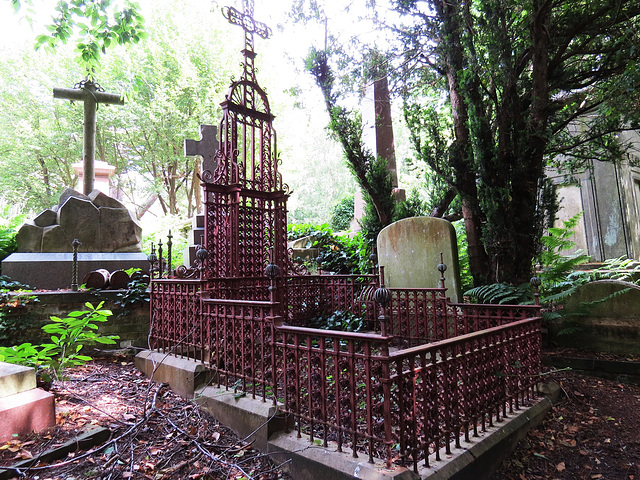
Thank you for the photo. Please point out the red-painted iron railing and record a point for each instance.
(238, 344)
(439, 393)
(309, 296)
(347, 388)
(176, 322)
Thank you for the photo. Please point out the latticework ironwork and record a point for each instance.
(245, 317)
(245, 199)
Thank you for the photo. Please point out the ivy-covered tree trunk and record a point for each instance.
(370, 172)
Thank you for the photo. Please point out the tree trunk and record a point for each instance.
(461, 153)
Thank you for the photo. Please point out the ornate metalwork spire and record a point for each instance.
(250, 26)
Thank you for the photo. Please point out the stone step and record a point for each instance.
(16, 379)
(26, 412)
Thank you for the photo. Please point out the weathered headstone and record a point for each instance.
(206, 147)
(410, 251)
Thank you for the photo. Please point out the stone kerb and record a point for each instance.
(410, 251)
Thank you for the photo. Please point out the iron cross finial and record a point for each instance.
(246, 21)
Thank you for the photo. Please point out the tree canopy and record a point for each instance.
(529, 84)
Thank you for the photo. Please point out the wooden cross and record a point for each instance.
(206, 147)
(250, 26)
(91, 94)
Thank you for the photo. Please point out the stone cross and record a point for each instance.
(250, 26)
(91, 94)
(206, 147)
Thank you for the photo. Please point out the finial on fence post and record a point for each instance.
(160, 265)
(152, 260)
(74, 269)
(382, 296)
(272, 271)
(442, 268)
(373, 258)
(169, 244)
(535, 282)
(201, 256)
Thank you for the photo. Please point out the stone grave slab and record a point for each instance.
(26, 412)
(16, 379)
(53, 271)
(410, 250)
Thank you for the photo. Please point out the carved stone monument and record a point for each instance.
(109, 236)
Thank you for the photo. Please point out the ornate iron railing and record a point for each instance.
(309, 296)
(176, 320)
(346, 389)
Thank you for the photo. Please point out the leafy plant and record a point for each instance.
(15, 319)
(137, 292)
(556, 267)
(338, 320)
(342, 213)
(341, 254)
(69, 336)
(501, 293)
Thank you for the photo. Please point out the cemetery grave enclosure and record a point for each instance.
(428, 374)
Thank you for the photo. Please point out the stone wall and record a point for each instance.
(589, 324)
(25, 323)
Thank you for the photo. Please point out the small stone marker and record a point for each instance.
(206, 147)
(410, 251)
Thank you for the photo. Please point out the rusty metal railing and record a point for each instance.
(347, 389)
(176, 320)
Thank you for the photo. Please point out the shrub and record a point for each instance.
(69, 336)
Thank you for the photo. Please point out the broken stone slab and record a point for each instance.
(99, 199)
(29, 237)
(46, 218)
(119, 231)
(80, 218)
(69, 193)
(54, 239)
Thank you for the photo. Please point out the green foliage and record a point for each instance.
(466, 279)
(370, 172)
(137, 292)
(97, 26)
(413, 206)
(501, 293)
(69, 336)
(342, 213)
(15, 319)
(555, 266)
(342, 254)
(341, 321)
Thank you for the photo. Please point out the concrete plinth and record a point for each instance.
(312, 462)
(184, 375)
(53, 271)
(249, 418)
(26, 412)
(16, 379)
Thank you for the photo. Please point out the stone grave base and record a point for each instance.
(53, 271)
(23, 407)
